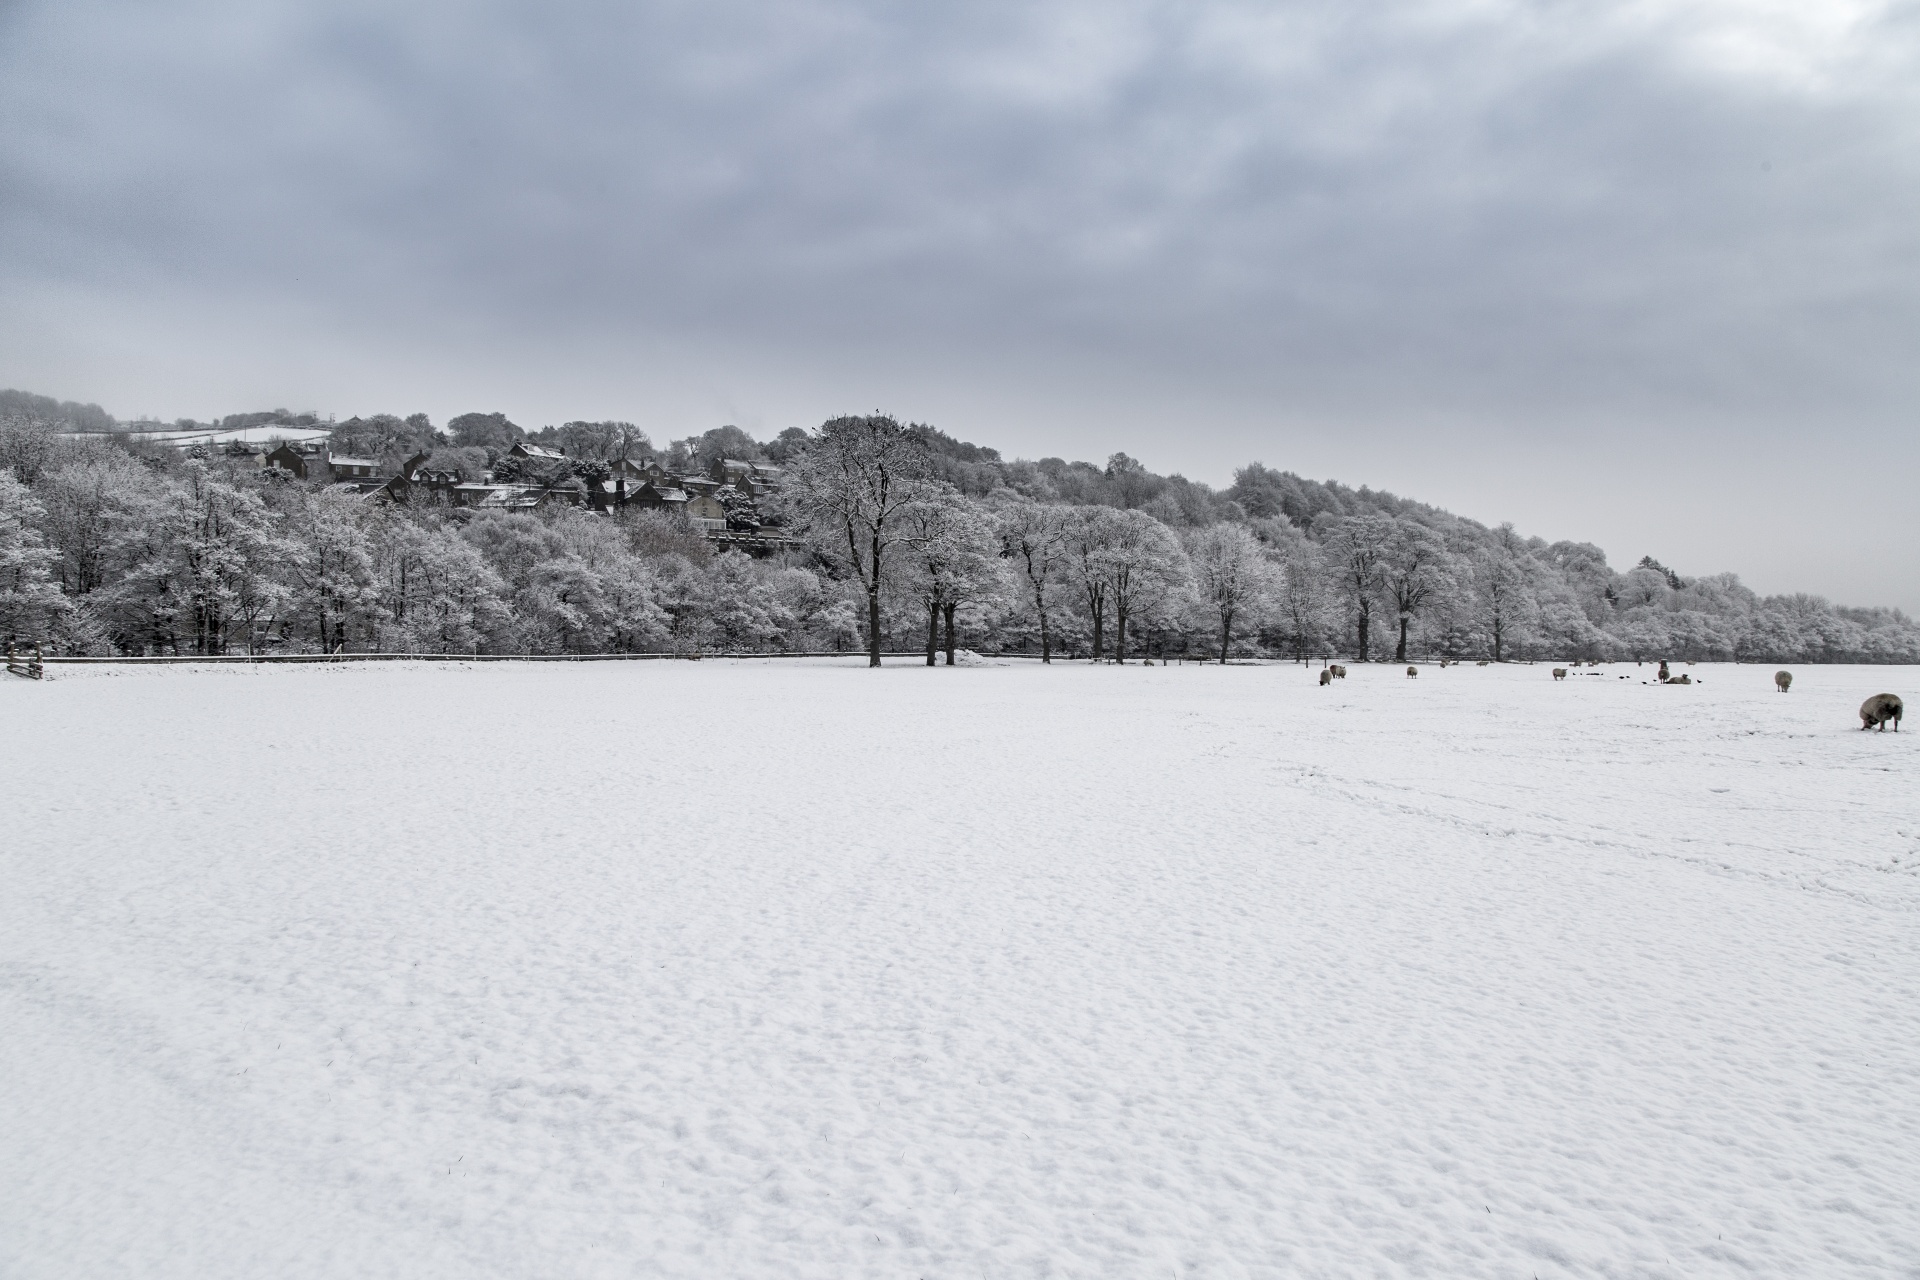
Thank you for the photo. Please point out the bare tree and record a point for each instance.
(1302, 601)
(332, 567)
(1356, 553)
(84, 497)
(1033, 536)
(952, 559)
(1144, 567)
(1232, 577)
(1506, 602)
(1088, 535)
(30, 600)
(849, 488)
(27, 446)
(1415, 569)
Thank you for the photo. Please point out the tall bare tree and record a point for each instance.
(1416, 569)
(1144, 568)
(1232, 577)
(1302, 602)
(1033, 537)
(30, 599)
(849, 488)
(1355, 548)
(1088, 535)
(953, 560)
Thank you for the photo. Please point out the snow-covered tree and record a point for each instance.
(30, 600)
(1415, 569)
(331, 567)
(1355, 549)
(847, 491)
(1033, 538)
(950, 559)
(81, 495)
(1145, 569)
(198, 559)
(438, 593)
(1087, 534)
(1301, 603)
(1233, 581)
(1504, 591)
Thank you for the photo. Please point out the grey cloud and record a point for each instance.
(1693, 213)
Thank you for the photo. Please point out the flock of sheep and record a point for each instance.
(1875, 712)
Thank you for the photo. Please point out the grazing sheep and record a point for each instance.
(1413, 673)
(1783, 680)
(1559, 673)
(1326, 677)
(1339, 672)
(1879, 709)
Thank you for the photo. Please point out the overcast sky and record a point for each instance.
(1644, 274)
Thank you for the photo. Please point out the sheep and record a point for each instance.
(1481, 663)
(1663, 677)
(1326, 677)
(1680, 679)
(1559, 673)
(1879, 709)
(1783, 680)
(1413, 673)
(1339, 672)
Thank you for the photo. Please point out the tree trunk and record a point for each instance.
(1496, 637)
(1099, 612)
(933, 631)
(1400, 653)
(873, 604)
(950, 608)
(1226, 634)
(1366, 628)
(1046, 639)
(1119, 635)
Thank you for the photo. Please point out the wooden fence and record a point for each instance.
(19, 663)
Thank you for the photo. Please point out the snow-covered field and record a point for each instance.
(800, 970)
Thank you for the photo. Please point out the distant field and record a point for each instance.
(768, 969)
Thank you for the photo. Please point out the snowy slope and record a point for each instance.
(748, 969)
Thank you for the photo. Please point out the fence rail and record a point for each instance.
(19, 663)
(166, 659)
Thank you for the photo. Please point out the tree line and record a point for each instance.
(895, 536)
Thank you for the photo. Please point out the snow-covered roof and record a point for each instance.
(342, 460)
(541, 451)
(670, 494)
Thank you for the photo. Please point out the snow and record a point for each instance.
(797, 969)
(235, 435)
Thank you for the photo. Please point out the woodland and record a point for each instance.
(891, 537)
